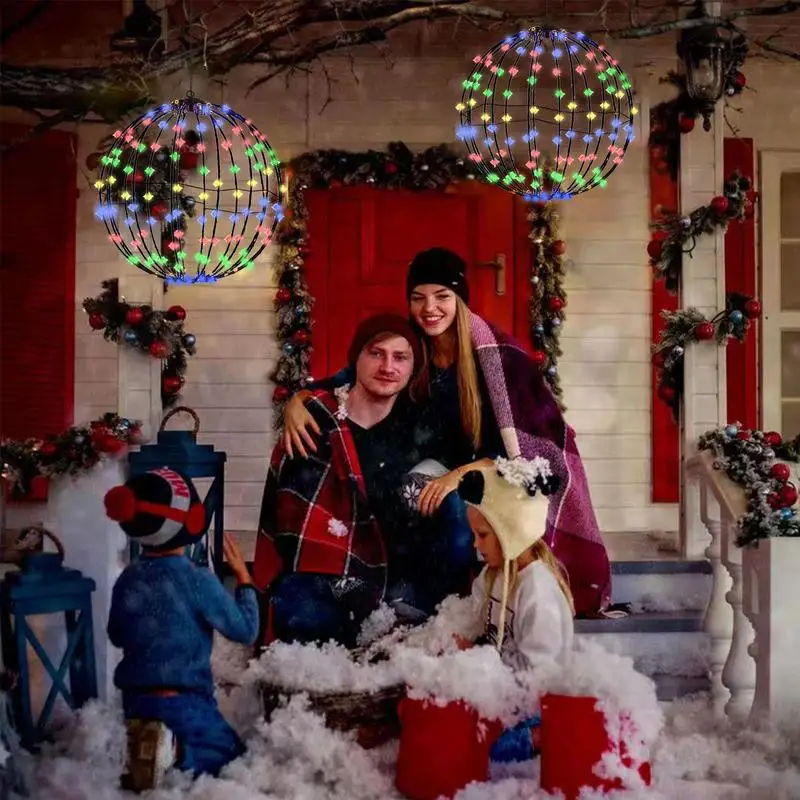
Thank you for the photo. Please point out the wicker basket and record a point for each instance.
(372, 715)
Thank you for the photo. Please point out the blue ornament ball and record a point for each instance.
(540, 328)
(731, 430)
(288, 348)
(189, 340)
(787, 513)
(130, 336)
(551, 370)
(555, 322)
(736, 316)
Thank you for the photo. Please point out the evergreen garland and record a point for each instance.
(753, 460)
(547, 299)
(159, 334)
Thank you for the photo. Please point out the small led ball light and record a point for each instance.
(546, 114)
(190, 192)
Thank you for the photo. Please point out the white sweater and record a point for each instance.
(539, 622)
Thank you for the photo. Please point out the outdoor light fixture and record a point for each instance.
(141, 32)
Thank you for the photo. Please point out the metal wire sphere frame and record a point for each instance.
(577, 127)
(142, 180)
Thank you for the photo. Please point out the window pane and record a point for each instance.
(790, 277)
(790, 205)
(790, 426)
(790, 364)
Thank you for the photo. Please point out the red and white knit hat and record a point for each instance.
(160, 509)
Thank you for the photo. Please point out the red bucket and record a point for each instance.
(573, 740)
(442, 748)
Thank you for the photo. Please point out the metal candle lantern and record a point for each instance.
(179, 450)
(45, 586)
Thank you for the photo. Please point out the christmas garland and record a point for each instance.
(76, 450)
(547, 300)
(396, 168)
(676, 235)
(159, 334)
(690, 325)
(669, 120)
(750, 458)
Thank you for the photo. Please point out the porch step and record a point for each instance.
(647, 622)
(660, 585)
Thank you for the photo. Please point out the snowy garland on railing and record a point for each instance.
(689, 325)
(751, 459)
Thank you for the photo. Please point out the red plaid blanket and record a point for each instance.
(314, 513)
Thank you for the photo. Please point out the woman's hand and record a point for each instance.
(296, 422)
(234, 557)
(433, 493)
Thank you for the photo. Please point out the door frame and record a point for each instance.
(773, 163)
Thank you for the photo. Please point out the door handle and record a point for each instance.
(499, 265)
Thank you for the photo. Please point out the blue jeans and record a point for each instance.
(516, 744)
(435, 557)
(308, 607)
(206, 743)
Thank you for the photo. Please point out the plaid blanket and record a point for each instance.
(314, 512)
(531, 424)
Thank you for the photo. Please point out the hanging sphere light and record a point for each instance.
(546, 114)
(190, 191)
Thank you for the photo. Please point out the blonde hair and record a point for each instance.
(541, 552)
(469, 393)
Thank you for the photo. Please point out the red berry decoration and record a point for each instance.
(539, 357)
(172, 384)
(558, 248)
(740, 79)
(752, 308)
(720, 205)
(280, 394)
(555, 303)
(787, 495)
(773, 439)
(655, 248)
(745, 436)
(704, 331)
(135, 316)
(97, 321)
(780, 472)
(159, 349)
(391, 168)
(685, 123)
(283, 295)
(108, 443)
(176, 313)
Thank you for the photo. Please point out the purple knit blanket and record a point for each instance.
(531, 424)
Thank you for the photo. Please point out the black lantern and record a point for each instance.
(704, 52)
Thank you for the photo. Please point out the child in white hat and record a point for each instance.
(528, 613)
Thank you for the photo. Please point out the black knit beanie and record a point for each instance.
(373, 326)
(440, 266)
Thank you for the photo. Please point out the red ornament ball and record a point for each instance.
(172, 384)
(745, 436)
(773, 439)
(558, 248)
(787, 495)
(704, 331)
(47, 449)
(283, 295)
(752, 308)
(539, 357)
(555, 303)
(720, 205)
(176, 313)
(685, 123)
(659, 359)
(780, 472)
(391, 168)
(301, 336)
(97, 321)
(774, 500)
(108, 443)
(135, 316)
(280, 394)
(740, 79)
(666, 393)
(655, 248)
(159, 349)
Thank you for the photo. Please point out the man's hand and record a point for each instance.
(235, 559)
(433, 493)
(296, 423)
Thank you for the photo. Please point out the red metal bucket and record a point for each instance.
(573, 740)
(442, 748)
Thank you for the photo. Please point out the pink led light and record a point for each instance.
(226, 145)
(530, 164)
(233, 238)
(513, 71)
(535, 153)
(174, 246)
(147, 121)
(476, 157)
(180, 142)
(143, 232)
(178, 234)
(580, 69)
(477, 59)
(556, 73)
(115, 237)
(494, 162)
(155, 147)
(117, 134)
(236, 130)
(505, 48)
(536, 67)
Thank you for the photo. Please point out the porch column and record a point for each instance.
(703, 286)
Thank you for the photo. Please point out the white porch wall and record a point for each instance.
(605, 368)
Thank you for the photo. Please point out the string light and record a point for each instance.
(189, 191)
(546, 114)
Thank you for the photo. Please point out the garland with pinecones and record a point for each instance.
(159, 334)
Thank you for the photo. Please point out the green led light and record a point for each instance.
(204, 170)
(235, 168)
(493, 177)
(559, 93)
(507, 93)
(149, 171)
(175, 156)
(588, 92)
(127, 169)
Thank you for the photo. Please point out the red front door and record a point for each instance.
(362, 239)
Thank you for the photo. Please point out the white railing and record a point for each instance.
(733, 665)
(751, 618)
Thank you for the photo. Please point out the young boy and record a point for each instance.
(164, 611)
